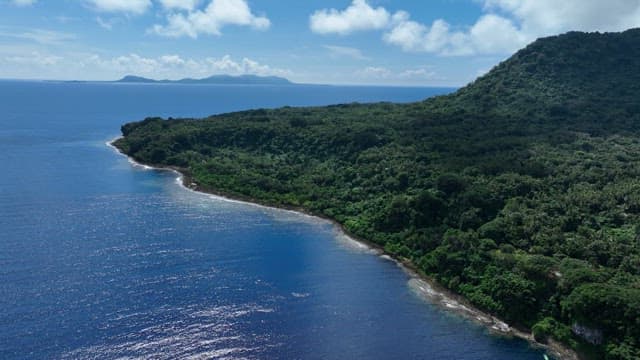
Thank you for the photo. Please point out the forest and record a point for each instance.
(520, 191)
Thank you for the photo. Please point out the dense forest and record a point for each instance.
(520, 191)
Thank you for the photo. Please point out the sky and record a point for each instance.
(376, 42)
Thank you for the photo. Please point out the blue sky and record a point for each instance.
(385, 42)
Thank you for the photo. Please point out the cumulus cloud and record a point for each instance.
(24, 60)
(374, 72)
(23, 2)
(507, 25)
(211, 20)
(174, 66)
(358, 16)
(504, 26)
(552, 16)
(491, 34)
(125, 6)
(246, 66)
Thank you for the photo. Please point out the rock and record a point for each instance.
(592, 336)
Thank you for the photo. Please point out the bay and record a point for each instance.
(103, 259)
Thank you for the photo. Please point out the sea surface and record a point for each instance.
(101, 259)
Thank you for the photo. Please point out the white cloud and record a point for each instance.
(358, 16)
(179, 4)
(344, 51)
(496, 34)
(34, 61)
(418, 74)
(227, 65)
(135, 7)
(504, 27)
(380, 74)
(172, 60)
(211, 20)
(23, 2)
(173, 66)
(491, 34)
(553, 16)
(374, 72)
(508, 25)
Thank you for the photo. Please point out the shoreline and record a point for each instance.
(423, 285)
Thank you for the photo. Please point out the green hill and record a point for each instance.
(520, 191)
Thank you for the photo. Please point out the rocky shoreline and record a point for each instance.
(419, 282)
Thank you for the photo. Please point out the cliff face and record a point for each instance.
(592, 336)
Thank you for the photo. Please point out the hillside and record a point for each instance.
(520, 191)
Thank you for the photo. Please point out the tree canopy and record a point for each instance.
(521, 191)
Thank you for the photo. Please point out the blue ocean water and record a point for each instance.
(103, 259)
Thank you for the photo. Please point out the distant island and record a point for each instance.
(520, 191)
(215, 79)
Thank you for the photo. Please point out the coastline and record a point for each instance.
(419, 282)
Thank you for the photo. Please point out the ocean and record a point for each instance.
(103, 259)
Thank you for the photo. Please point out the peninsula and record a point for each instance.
(520, 191)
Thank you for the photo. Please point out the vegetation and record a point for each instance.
(520, 191)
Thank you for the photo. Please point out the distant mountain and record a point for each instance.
(215, 79)
(136, 79)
